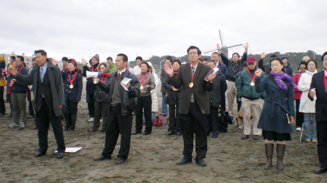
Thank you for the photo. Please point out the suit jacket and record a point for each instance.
(56, 85)
(321, 102)
(199, 89)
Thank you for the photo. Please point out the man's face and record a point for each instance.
(324, 63)
(306, 58)
(109, 62)
(193, 55)
(12, 60)
(285, 61)
(138, 62)
(94, 61)
(120, 64)
(64, 62)
(205, 62)
(211, 65)
(235, 57)
(215, 57)
(168, 62)
(41, 60)
(17, 62)
(33, 62)
(252, 65)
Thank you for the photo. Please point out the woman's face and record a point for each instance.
(176, 66)
(144, 68)
(311, 66)
(302, 68)
(276, 67)
(71, 67)
(102, 68)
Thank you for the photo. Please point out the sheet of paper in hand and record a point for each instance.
(124, 82)
(70, 149)
(214, 71)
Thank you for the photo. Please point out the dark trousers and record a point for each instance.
(30, 105)
(322, 142)
(70, 112)
(45, 115)
(9, 100)
(143, 103)
(101, 110)
(90, 104)
(118, 124)
(2, 102)
(214, 120)
(174, 120)
(299, 115)
(194, 122)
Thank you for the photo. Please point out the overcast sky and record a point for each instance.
(79, 28)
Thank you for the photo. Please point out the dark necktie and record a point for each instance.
(193, 69)
(118, 76)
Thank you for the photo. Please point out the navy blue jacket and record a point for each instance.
(224, 70)
(74, 95)
(219, 88)
(18, 87)
(288, 70)
(277, 104)
(321, 102)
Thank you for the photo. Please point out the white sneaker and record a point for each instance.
(298, 129)
(240, 127)
(91, 120)
(22, 125)
(12, 125)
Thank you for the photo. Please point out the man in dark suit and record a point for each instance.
(49, 99)
(194, 104)
(122, 103)
(319, 90)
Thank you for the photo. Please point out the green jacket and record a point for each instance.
(112, 68)
(244, 89)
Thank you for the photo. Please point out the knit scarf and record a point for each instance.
(279, 79)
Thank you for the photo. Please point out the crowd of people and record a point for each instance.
(195, 94)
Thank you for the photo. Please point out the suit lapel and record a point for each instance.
(197, 71)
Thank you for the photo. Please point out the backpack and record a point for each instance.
(158, 121)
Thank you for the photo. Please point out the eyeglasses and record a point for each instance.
(251, 63)
(192, 53)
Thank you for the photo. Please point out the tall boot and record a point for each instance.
(280, 155)
(269, 153)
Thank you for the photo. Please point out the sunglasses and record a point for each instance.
(251, 63)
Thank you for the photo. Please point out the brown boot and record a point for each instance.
(269, 153)
(280, 155)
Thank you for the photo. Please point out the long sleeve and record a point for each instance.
(208, 86)
(290, 100)
(104, 86)
(224, 59)
(313, 85)
(166, 84)
(301, 85)
(260, 84)
(152, 83)
(239, 85)
(134, 89)
(85, 68)
(59, 86)
(244, 57)
(79, 87)
(296, 78)
(27, 80)
(223, 85)
(177, 82)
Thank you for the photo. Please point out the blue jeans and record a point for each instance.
(164, 105)
(153, 115)
(310, 132)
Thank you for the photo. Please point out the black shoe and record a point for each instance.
(100, 158)
(134, 133)
(245, 137)
(215, 136)
(146, 133)
(201, 162)
(60, 155)
(184, 161)
(39, 154)
(256, 137)
(102, 130)
(119, 161)
(65, 128)
(320, 170)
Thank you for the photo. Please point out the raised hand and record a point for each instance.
(263, 55)
(12, 71)
(218, 48)
(258, 72)
(84, 62)
(246, 46)
(169, 70)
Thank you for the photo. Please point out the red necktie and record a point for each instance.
(118, 76)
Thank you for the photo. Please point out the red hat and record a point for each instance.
(251, 60)
(74, 61)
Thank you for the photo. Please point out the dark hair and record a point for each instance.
(285, 58)
(21, 58)
(312, 61)
(215, 53)
(13, 57)
(205, 59)
(140, 58)
(200, 59)
(147, 65)
(178, 61)
(169, 58)
(278, 59)
(236, 54)
(64, 59)
(109, 58)
(125, 58)
(302, 63)
(194, 47)
(211, 61)
(40, 51)
(323, 56)
(273, 56)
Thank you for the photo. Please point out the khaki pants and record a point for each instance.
(231, 95)
(18, 102)
(253, 107)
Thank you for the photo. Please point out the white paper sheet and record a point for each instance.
(70, 149)
(124, 82)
